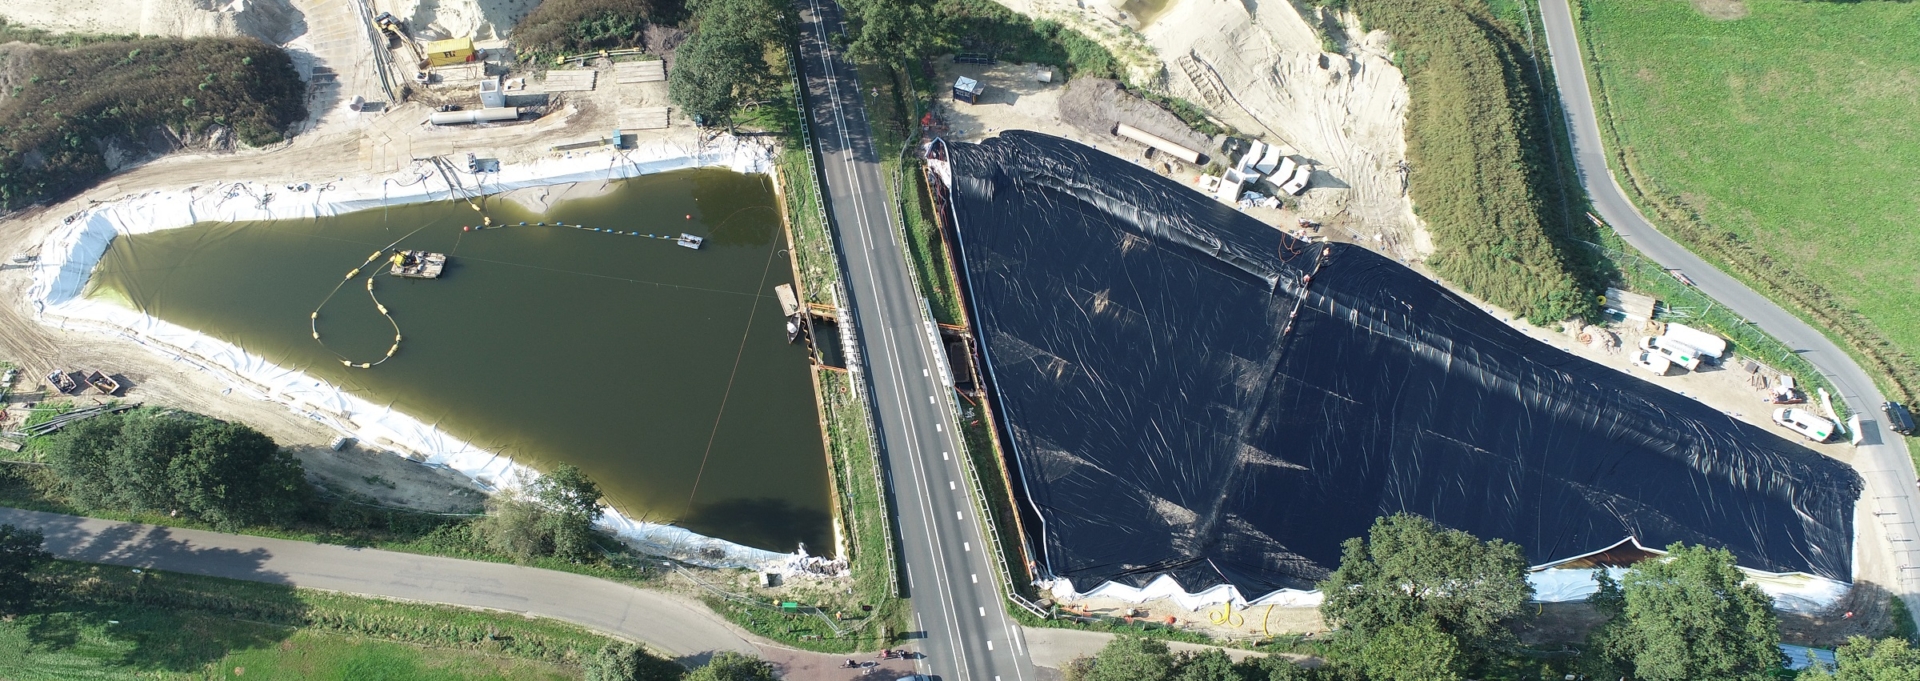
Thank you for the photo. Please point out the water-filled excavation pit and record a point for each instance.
(662, 371)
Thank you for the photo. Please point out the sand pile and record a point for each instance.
(478, 19)
(275, 21)
(1263, 72)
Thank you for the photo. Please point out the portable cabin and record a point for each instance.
(449, 52)
(968, 90)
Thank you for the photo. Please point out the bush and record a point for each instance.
(987, 26)
(553, 518)
(1477, 175)
(68, 104)
(567, 27)
(160, 461)
(629, 662)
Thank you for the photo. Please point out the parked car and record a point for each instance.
(1804, 422)
(1898, 418)
(1675, 351)
(1651, 362)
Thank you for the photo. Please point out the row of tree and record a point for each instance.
(1413, 601)
(153, 460)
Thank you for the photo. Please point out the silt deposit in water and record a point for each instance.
(662, 372)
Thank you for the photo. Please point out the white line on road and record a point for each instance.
(951, 485)
(976, 577)
(983, 613)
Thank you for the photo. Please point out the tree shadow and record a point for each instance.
(764, 522)
(106, 585)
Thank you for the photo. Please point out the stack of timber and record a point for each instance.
(629, 72)
(571, 80)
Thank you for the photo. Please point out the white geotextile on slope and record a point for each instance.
(70, 252)
(1791, 592)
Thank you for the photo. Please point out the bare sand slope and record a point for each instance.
(477, 19)
(274, 21)
(1263, 72)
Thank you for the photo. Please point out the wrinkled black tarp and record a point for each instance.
(1164, 420)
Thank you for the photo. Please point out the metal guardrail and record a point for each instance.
(848, 343)
(981, 508)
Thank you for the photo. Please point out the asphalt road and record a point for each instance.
(957, 604)
(684, 628)
(1882, 455)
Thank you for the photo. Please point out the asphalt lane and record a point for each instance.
(684, 628)
(1882, 455)
(964, 629)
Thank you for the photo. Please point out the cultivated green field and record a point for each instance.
(1792, 130)
(101, 622)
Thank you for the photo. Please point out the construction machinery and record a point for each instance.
(397, 31)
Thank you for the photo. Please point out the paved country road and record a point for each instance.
(958, 609)
(1891, 499)
(683, 628)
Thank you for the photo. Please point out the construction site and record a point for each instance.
(1313, 147)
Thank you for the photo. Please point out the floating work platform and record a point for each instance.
(689, 240)
(418, 264)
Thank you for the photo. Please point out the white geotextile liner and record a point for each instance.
(70, 252)
(1791, 592)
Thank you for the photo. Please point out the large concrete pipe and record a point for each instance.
(1158, 142)
(487, 115)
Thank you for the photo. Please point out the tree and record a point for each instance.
(1211, 664)
(232, 476)
(20, 552)
(629, 662)
(1411, 651)
(569, 490)
(1410, 574)
(893, 31)
(163, 461)
(1864, 659)
(1132, 658)
(725, 57)
(732, 666)
(1688, 615)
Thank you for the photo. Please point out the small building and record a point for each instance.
(490, 93)
(451, 51)
(968, 90)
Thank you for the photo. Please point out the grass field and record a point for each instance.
(1780, 144)
(101, 622)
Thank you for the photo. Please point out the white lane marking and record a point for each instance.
(943, 456)
(966, 546)
(909, 576)
(950, 485)
(936, 428)
(929, 398)
(976, 577)
(957, 516)
(923, 372)
(990, 646)
(983, 613)
(864, 222)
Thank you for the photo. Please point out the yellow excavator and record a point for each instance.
(396, 30)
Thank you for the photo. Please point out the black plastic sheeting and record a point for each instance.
(1181, 400)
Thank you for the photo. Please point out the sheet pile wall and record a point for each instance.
(1181, 400)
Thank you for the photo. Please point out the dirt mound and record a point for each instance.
(1095, 105)
(1262, 69)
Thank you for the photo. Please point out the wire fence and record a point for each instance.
(1680, 302)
